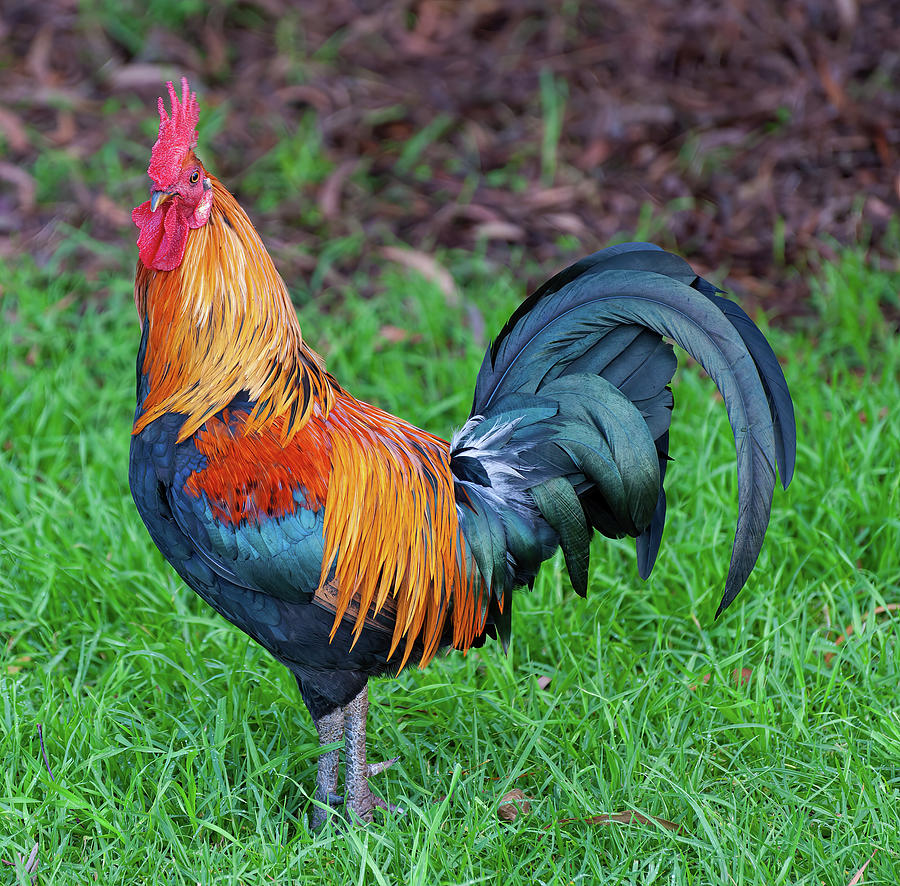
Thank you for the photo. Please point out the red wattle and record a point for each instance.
(163, 234)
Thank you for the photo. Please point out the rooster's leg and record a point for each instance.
(360, 801)
(331, 729)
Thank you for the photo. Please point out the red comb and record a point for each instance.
(177, 135)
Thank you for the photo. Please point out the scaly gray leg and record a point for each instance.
(360, 801)
(330, 729)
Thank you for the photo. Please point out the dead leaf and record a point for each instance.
(215, 42)
(833, 89)
(848, 12)
(848, 631)
(543, 682)
(545, 198)
(512, 803)
(428, 267)
(37, 62)
(393, 334)
(65, 128)
(24, 184)
(857, 877)
(330, 193)
(62, 304)
(111, 211)
(741, 678)
(17, 664)
(30, 863)
(476, 323)
(14, 131)
(567, 222)
(499, 230)
(630, 817)
(140, 75)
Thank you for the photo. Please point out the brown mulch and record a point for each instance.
(751, 135)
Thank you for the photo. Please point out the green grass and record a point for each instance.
(181, 753)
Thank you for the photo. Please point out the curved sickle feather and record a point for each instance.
(691, 319)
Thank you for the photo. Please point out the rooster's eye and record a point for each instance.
(195, 177)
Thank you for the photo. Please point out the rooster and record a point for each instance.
(348, 542)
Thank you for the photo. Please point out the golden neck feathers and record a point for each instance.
(222, 323)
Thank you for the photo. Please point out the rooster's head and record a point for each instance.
(180, 191)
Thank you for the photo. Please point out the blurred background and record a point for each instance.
(753, 136)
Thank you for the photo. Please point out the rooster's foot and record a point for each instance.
(347, 723)
(319, 816)
(330, 729)
(361, 802)
(375, 768)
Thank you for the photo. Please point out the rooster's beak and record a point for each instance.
(157, 197)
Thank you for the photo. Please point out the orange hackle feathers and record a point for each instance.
(391, 529)
(221, 324)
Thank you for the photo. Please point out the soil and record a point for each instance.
(753, 136)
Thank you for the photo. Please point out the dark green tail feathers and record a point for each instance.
(569, 430)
